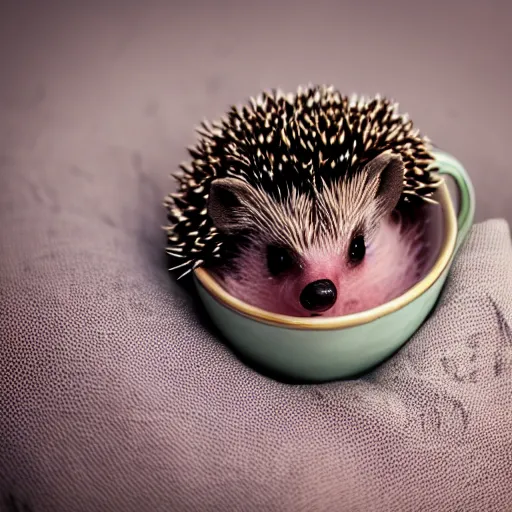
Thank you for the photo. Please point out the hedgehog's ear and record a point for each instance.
(388, 170)
(229, 204)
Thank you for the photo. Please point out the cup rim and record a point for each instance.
(217, 292)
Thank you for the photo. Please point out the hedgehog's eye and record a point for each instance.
(279, 259)
(357, 249)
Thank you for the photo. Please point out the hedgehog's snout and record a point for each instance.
(319, 296)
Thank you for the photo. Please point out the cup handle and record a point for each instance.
(450, 166)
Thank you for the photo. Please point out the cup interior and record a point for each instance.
(435, 234)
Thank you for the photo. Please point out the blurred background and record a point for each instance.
(139, 75)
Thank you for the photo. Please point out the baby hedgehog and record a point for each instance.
(303, 204)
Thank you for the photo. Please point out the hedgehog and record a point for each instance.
(305, 203)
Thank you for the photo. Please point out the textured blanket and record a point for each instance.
(116, 395)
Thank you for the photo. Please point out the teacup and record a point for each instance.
(323, 349)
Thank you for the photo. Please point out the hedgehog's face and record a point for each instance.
(308, 257)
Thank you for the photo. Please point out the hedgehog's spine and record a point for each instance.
(290, 142)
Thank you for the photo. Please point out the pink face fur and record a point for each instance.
(359, 255)
(393, 262)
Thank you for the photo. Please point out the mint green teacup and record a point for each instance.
(322, 349)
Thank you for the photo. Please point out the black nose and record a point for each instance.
(319, 296)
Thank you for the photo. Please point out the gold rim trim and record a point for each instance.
(208, 282)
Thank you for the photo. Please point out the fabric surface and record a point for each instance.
(115, 392)
(115, 397)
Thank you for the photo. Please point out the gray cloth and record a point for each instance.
(115, 395)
